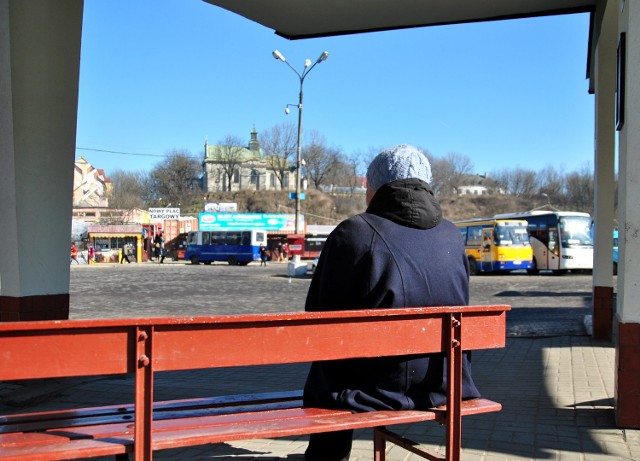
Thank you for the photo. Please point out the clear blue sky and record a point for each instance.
(163, 75)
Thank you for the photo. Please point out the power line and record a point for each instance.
(138, 154)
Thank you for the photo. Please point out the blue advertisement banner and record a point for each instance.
(229, 221)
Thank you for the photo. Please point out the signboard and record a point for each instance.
(164, 213)
(267, 221)
(220, 207)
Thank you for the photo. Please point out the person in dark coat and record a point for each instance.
(400, 252)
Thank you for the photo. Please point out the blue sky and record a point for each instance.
(162, 75)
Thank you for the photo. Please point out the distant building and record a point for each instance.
(478, 184)
(91, 187)
(251, 173)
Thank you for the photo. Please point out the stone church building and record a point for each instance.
(250, 168)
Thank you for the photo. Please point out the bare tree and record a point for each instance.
(552, 183)
(228, 154)
(449, 172)
(518, 181)
(320, 159)
(280, 147)
(580, 189)
(176, 180)
(129, 190)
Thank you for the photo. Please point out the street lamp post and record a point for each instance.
(307, 68)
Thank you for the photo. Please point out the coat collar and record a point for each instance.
(409, 202)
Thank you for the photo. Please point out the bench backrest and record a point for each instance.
(48, 349)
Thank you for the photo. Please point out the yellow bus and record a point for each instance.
(496, 245)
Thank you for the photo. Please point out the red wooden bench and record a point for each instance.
(55, 349)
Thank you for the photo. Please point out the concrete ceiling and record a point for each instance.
(297, 19)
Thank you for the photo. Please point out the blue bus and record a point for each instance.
(236, 247)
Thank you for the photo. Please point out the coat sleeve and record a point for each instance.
(340, 280)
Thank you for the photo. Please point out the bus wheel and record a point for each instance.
(534, 268)
(473, 266)
(194, 260)
(207, 263)
(232, 261)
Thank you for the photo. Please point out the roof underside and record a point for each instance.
(294, 19)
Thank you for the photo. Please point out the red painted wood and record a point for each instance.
(145, 346)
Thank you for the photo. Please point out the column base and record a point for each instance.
(42, 307)
(627, 391)
(602, 312)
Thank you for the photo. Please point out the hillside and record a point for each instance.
(321, 208)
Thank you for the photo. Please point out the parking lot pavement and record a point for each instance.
(542, 305)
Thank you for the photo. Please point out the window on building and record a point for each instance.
(236, 176)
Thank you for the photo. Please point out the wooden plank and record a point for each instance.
(51, 325)
(65, 353)
(67, 449)
(199, 346)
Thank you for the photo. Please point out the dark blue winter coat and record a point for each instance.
(399, 253)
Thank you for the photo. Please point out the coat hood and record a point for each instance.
(409, 202)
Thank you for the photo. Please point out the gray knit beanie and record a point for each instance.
(398, 162)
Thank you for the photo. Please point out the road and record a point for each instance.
(542, 305)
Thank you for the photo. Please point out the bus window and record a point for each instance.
(246, 238)
(507, 235)
(261, 237)
(553, 242)
(218, 238)
(205, 238)
(474, 235)
(233, 238)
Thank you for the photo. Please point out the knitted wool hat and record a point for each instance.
(398, 162)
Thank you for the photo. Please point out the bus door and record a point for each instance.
(554, 249)
(485, 257)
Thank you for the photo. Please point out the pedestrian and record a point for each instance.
(263, 256)
(285, 251)
(91, 254)
(74, 254)
(163, 251)
(400, 252)
(159, 246)
(280, 252)
(126, 252)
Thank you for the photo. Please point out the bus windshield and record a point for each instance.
(575, 231)
(509, 234)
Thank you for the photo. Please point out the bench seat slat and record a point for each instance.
(162, 410)
(64, 449)
(183, 432)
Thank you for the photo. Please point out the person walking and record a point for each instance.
(74, 254)
(400, 252)
(263, 256)
(91, 254)
(126, 252)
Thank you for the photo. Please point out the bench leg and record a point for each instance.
(382, 435)
(379, 445)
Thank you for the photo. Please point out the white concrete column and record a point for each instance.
(628, 308)
(605, 86)
(39, 74)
